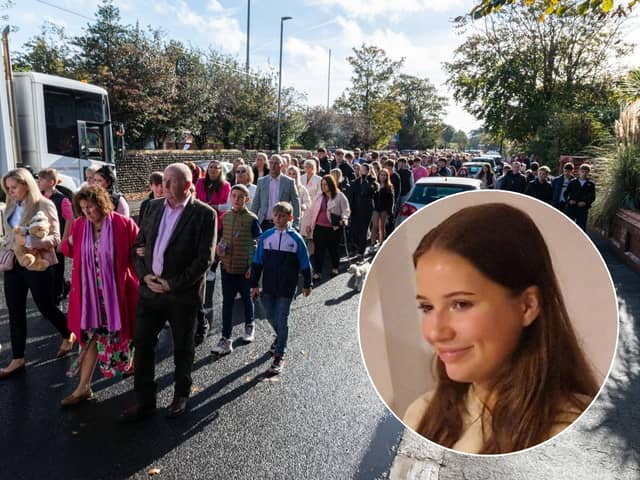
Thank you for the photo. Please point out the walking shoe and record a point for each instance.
(272, 348)
(277, 365)
(222, 347)
(249, 333)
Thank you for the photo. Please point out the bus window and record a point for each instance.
(63, 109)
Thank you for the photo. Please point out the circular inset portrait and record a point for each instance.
(488, 322)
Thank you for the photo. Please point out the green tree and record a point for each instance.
(447, 134)
(321, 129)
(99, 49)
(423, 110)
(47, 52)
(517, 74)
(371, 86)
(461, 139)
(557, 7)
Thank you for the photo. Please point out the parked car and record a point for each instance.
(474, 167)
(430, 189)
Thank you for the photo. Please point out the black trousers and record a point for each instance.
(58, 282)
(17, 283)
(150, 318)
(360, 228)
(325, 239)
(205, 312)
(578, 215)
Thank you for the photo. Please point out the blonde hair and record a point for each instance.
(23, 176)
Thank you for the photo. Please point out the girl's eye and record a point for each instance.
(461, 305)
(425, 307)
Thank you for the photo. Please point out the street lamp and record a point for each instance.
(282, 20)
(248, 28)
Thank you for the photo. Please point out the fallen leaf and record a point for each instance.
(195, 389)
(153, 471)
(248, 379)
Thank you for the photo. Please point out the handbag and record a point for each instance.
(7, 259)
(336, 220)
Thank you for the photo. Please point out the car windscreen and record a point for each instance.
(473, 170)
(426, 193)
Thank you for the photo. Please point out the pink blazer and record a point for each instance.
(125, 232)
(217, 200)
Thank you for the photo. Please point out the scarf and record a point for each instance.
(90, 317)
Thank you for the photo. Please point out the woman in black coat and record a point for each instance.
(361, 194)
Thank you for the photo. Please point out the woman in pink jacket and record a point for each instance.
(104, 289)
(214, 190)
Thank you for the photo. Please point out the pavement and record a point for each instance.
(604, 444)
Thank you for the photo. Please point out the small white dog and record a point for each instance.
(359, 272)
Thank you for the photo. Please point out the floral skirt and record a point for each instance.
(115, 356)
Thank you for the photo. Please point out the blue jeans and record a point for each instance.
(232, 284)
(278, 313)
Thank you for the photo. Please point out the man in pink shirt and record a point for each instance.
(419, 170)
(174, 250)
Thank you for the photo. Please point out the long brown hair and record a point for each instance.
(547, 372)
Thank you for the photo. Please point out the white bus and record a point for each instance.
(61, 123)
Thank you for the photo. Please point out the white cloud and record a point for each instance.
(215, 6)
(305, 64)
(395, 8)
(221, 30)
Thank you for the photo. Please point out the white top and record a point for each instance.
(472, 438)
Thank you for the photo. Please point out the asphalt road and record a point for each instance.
(320, 418)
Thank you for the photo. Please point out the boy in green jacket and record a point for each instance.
(240, 229)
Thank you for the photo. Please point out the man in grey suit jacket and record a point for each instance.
(272, 189)
(174, 249)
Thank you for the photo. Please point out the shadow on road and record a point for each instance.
(621, 396)
(30, 404)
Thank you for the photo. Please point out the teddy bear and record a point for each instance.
(31, 258)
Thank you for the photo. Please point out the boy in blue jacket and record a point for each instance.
(280, 257)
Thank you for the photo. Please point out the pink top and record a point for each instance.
(322, 218)
(217, 200)
(169, 220)
(419, 172)
(65, 207)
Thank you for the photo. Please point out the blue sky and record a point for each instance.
(419, 30)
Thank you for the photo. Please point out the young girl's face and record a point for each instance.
(473, 324)
(214, 170)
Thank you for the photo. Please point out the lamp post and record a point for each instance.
(282, 20)
(248, 27)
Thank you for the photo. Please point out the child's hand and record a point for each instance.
(140, 251)
(255, 292)
(306, 292)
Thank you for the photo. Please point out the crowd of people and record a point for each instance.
(264, 223)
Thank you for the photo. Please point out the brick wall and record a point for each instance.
(133, 172)
(624, 234)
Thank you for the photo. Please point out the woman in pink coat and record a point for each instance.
(104, 289)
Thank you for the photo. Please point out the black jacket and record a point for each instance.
(406, 181)
(540, 190)
(383, 201)
(361, 195)
(189, 252)
(514, 182)
(581, 193)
